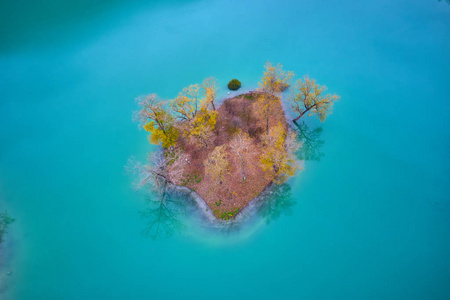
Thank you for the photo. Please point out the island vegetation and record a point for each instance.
(234, 84)
(229, 154)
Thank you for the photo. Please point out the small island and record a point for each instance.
(238, 161)
(230, 154)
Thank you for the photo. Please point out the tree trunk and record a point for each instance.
(301, 115)
(164, 191)
(204, 143)
(276, 168)
(296, 119)
(242, 168)
(166, 180)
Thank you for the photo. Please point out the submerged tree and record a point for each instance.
(278, 156)
(5, 221)
(154, 118)
(217, 164)
(308, 97)
(275, 79)
(241, 145)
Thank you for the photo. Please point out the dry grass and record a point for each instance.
(229, 197)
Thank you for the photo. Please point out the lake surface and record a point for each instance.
(370, 220)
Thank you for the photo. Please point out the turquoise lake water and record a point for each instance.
(370, 220)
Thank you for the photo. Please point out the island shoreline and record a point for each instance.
(249, 210)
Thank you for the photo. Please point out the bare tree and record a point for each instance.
(158, 173)
(158, 170)
(151, 108)
(241, 145)
(177, 161)
(154, 173)
(292, 142)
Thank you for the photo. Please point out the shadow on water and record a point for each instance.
(311, 142)
(25, 23)
(278, 202)
(164, 214)
(169, 212)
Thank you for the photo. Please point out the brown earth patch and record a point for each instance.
(228, 198)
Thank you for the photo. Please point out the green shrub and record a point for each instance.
(234, 84)
(229, 215)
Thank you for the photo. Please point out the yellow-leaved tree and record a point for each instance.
(199, 131)
(209, 91)
(217, 164)
(308, 97)
(186, 104)
(278, 156)
(264, 107)
(197, 121)
(275, 79)
(155, 118)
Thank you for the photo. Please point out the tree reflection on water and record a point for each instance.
(311, 142)
(277, 202)
(167, 209)
(163, 214)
